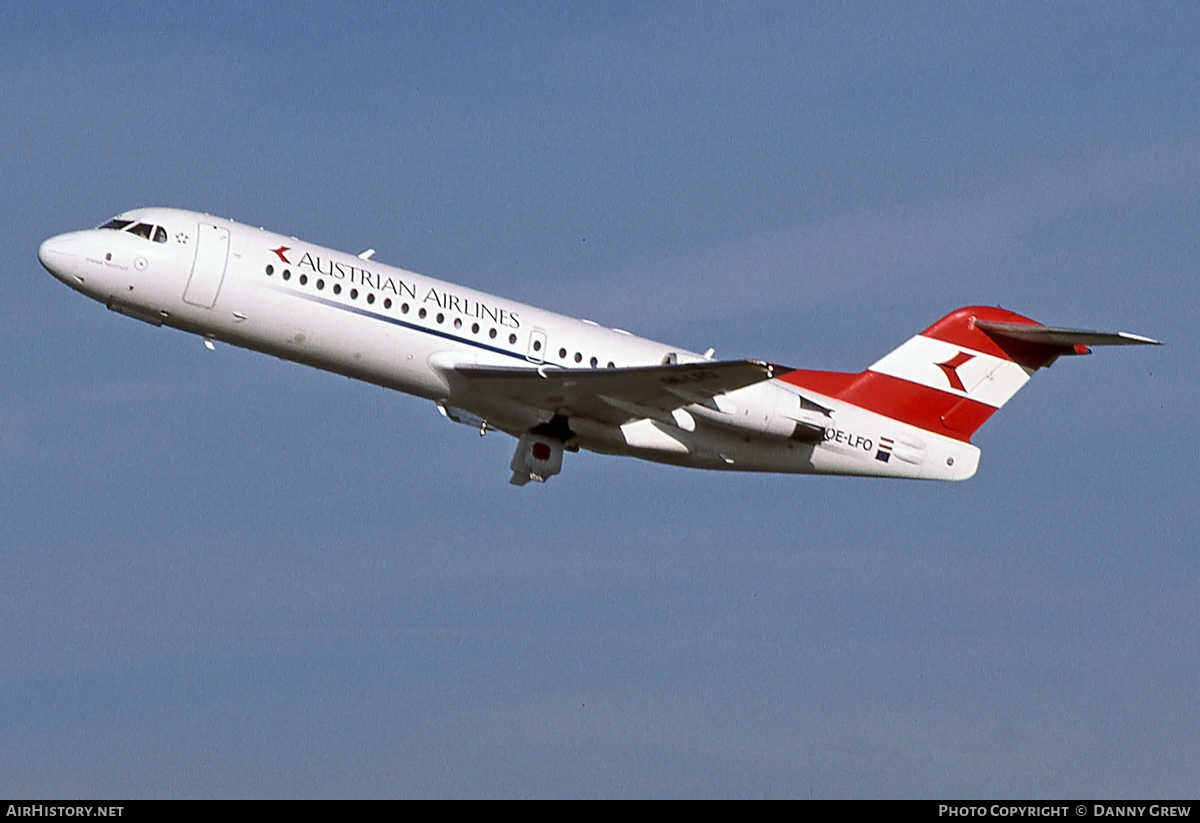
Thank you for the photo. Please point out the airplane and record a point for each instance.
(555, 383)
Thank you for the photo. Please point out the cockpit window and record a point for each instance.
(147, 230)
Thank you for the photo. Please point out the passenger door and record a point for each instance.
(208, 268)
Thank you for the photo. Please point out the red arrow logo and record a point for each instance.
(279, 253)
(950, 367)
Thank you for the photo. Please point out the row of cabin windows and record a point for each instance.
(422, 313)
(594, 362)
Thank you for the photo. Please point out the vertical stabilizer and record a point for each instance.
(952, 377)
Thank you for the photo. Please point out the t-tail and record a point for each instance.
(952, 377)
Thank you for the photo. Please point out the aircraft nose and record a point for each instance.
(51, 248)
(57, 253)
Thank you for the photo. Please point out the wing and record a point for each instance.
(616, 396)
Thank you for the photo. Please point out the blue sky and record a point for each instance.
(225, 575)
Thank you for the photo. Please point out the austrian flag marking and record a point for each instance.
(884, 454)
(950, 367)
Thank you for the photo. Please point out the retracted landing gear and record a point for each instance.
(539, 452)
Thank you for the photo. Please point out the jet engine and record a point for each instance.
(770, 410)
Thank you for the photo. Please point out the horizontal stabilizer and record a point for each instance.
(1046, 335)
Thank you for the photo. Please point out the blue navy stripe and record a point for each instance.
(395, 321)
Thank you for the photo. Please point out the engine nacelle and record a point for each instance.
(769, 410)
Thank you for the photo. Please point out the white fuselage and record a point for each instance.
(394, 328)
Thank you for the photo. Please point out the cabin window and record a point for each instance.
(512, 338)
(320, 284)
(387, 302)
(594, 362)
(353, 294)
(270, 270)
(370, 297)
(303, 279)
(492, 334)
(337, 288)
(287, 275)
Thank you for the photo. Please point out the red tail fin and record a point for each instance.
(952, 377)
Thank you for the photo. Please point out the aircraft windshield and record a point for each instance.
(151, 232)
